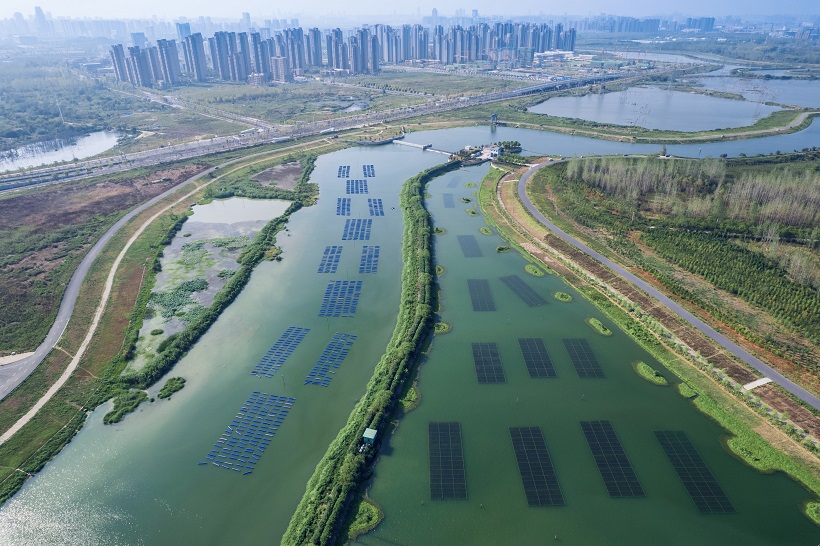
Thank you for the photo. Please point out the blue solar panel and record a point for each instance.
(357, 230)
(330, 259)
(331, 357)
(341, 299)
(356, 187)
(449, 201)
(369, 171)
(250, 432)
(376, 207)
(280, 351)
(370, 259)
(343, 206)
(343, 172)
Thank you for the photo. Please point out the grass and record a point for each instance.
(598, 326)
(440, 270)
(472, 212)
(440, 84)
(649, 373)
(534, 270)
(563, 296)
(365, 516)
(442, 327)
(439, 231)
(124, 404)
(485, 230)
(502, 248)
(411, 399)
(171, 386)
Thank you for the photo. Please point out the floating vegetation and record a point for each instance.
(534, 270)
(173, 302)
(171, 386)
(440, 270)
(157, 331)
(442, 327)
(502, 248)
(472, 212)
(469, 185)
(486, 230)
(563, 296)
(439, 231)
(598, 326)
(649, 373)
(466, 200)
(226, 273)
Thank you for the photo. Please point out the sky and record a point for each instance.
(266, 9)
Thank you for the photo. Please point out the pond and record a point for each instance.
(795, 92)
(655, 108)
(51, 151)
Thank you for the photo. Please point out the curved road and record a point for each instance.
(704, 328)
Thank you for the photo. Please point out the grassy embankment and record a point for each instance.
(331, 489)
(751, 434)
(97, 379)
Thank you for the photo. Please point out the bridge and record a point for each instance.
(422, 147)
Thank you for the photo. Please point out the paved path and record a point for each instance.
(707, 330)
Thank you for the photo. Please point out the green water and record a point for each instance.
(138, 482)
(496, 511)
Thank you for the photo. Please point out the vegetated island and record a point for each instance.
(174, 384)
(563, 296)
(598, 326)
(649, 373)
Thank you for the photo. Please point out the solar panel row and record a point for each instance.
(447, 478)
(375, 206)
(538, 361)
(583, 359)
(343, 206)
(613, 464)
(523, 290)
(369, 171)
(356, 187)
(535, 466)
(343, 172)
(330, 259)
(469, 246)
(331, 357)
(487, 361)
(370, 259)
(480, 294)
(279, 352)
(341, 299)
(357, 230)
(449, 201)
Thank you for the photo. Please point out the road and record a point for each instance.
(704, 328)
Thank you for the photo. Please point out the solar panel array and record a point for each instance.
(698, 480)
(330, 259)
(538, 361)
(447, 479)
(376, 207)
(370, 259)
(341, 299)
(280, 351)
(613, 464)
(487, 361)
(449, 201)
(357, 230)
(480, 294)
(343, 206)
(331, 357)
(250, 432)
(453, 183)
(369, 171)
(356, 187)
(535, 466)
(583, 359)
(343, 172)
(469, 246)
(523, 290)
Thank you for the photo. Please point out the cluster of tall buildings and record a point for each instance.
(265, 56)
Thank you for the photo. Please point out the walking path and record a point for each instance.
(704, 328)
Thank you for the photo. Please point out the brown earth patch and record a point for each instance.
(283, 176)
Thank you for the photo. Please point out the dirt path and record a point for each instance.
(75, 361)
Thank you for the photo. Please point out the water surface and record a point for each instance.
(47, 152)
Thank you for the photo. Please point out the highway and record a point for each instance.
(704, 328)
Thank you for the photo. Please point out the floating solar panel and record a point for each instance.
(447, 479)
(343, 206)
(698, 480)
(357, 230)
(280, 351)
(369, 171)
(523, 290)
(535, 466)
(341, 299)
(376, 207)
(330, 259)
(583, 359)
(331, 357)
(538, 361)
(343, 172)
(469, 246)
(452, 183)
(480, 294)
(487, 361)
(613, 464)
(356, 187)
(370, 259)
(449, 201)
(250, 432)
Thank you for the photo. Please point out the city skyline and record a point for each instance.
(373, 9)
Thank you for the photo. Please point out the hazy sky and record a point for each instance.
(262, 9)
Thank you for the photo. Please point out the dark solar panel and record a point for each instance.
(449, 201)
(698, 480)
(523, 290)
(480, 295)
(447, 479)
(341, 299)
(487, 361)
(250, 432)
(469, 246)
(537, 473)
(539, 363)
(613, 464)
(370, 259)
(376, 207)
(356, 187)
(331, 357)
(369, 171)
(343, 206)
(330, 259)
(279, 352)
(343, 172)
(452, 183)
(357, 230)
(583, 359)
